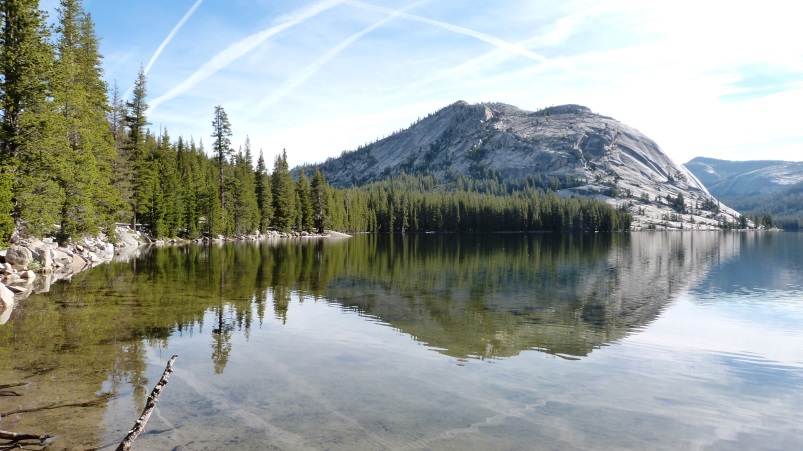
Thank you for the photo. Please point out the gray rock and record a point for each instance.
(42, 255)
(78, 263)
(19, 255)
(16, 289)
(60, 258)
(6, 297)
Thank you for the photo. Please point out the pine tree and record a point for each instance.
(79, 94)
(221, 147)
(6, 205)
(304, 212)
(137, 153)
(320, 201)
(246, 208)
(187, 186)
(25, 64)
(121, 168)
(284, 195)
(263, 193)
(27, 128)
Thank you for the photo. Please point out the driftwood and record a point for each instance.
(92, 403)
(139, 425)
(15, 437)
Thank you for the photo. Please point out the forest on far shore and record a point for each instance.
(75, 158)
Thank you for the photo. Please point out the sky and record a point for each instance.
(721, 79)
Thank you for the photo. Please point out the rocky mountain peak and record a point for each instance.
(567, 148)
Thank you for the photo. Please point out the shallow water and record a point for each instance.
(640, 341)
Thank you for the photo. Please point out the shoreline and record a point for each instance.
(31, 264)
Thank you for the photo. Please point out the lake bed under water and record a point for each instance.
(631, 341)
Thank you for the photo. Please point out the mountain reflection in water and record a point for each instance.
(464, 296)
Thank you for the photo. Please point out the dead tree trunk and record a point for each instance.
(139, 426)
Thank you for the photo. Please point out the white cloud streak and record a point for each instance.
(243, 47)
(171, 35)
(304, 74)
(500, 43)
(164, 43)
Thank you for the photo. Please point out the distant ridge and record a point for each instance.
(726, 178)
(756, 187)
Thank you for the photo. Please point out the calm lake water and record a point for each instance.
(633, 341)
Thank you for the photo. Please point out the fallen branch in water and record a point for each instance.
(18, 384)
(92, 403)
(139, 425)
(14, 437)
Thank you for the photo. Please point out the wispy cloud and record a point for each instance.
(242, 47)
(304, 74)
(165, 42)
(493, 40)
(171, 35)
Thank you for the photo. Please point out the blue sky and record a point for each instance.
(715, 79)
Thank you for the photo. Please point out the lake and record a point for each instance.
(659, 340)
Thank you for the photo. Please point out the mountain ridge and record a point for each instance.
(567, 148)
(756, 187)
(727, 177)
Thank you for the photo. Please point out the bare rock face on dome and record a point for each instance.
(567, 148)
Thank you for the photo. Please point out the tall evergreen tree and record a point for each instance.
(320, 201)
(246, 208)
(263, 193)
(79, 94)
(121, 167)
(137, 153)
(6, 205)
(284, 194)
(221, 147)
(189, 176)
(25, 63)
(304, 213)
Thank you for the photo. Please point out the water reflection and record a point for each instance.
(494, 296)
(468, 297)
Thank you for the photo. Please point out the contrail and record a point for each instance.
(165, 42)
(500, 43)
(562, 28)
(242, 47)
(304, 74)
(171, 35)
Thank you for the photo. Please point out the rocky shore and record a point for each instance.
(29, 259)
(44, 261)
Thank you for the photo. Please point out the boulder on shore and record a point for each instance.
(19, 255)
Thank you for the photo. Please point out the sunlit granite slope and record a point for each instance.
(575, 150)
